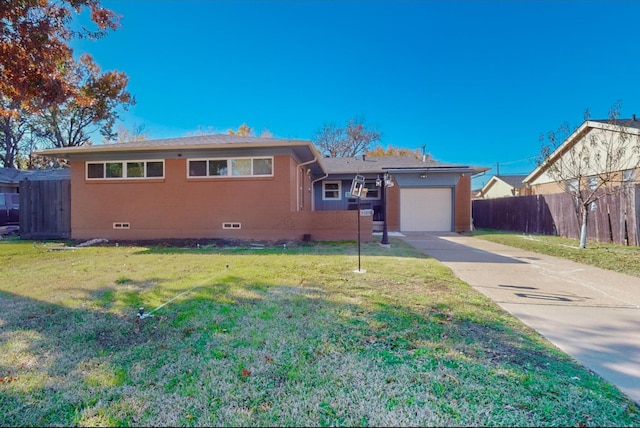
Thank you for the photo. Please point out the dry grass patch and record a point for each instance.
(274, 336)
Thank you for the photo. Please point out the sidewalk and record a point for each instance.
(589, 313)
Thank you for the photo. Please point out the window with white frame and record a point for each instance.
(331, 190)
(124, 170)
(230, 167)
(373, 191)
(592, 182)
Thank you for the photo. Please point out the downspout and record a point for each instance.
(298, 189)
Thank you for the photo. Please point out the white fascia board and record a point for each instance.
(571, 141)
(488, 186)
(557, 153)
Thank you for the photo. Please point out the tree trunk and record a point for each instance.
(583, 229)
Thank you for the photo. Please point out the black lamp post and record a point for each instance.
(385, 182)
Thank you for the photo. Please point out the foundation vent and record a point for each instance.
(231, 225)
(121, 225)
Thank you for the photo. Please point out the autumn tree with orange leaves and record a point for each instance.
(34, 49)
(45, 93)
(101, 95)
(379, 151)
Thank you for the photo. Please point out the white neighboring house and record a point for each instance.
(585, 155)
(501, 186)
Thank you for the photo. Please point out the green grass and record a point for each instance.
(273, 336)
(618, 258)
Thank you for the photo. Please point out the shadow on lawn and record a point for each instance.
(68, 365)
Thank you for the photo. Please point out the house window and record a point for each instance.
(571, 185)
(113, 170)
(240, 167)
(592, 182)
(135, 169)
(125, 170)
(331, 190)
(373, 191)
(629, 175)
(218, 167)
(232, 167)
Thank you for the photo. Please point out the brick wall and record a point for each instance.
(176, 207)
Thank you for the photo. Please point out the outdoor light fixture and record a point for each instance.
(423, 175)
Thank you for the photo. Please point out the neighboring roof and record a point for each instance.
(15, 176)
(632, 126)
(627, 123)
(512, 180)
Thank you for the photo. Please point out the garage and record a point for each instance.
(426, 210)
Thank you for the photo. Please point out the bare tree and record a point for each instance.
(12, 130)
(136, 133)
(348, 141)
(592, 167)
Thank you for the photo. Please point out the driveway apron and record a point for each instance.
(589, 313)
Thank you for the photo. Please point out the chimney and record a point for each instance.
(633, 117)
(364, 157)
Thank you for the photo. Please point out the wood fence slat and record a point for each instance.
(555, 214)
(45, 209)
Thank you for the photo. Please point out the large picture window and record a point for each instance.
(121, 170)
(331, 190)
(231, 167)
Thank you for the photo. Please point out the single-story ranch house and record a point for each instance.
(224, 186)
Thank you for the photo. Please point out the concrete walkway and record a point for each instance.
(589, 313)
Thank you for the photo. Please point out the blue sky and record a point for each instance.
(476, 82)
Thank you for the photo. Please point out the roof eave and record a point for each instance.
(464, 169)
(66, 152)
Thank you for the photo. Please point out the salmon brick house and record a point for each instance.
(224, 186)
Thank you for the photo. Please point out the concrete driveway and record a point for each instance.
(589, 313)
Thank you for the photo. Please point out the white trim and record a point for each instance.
(571, 141)
(339, 190)
(124, 169)
(229, 161)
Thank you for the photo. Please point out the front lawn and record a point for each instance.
(280, 335)
(618, 258)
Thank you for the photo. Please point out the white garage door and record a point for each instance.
(426, 210)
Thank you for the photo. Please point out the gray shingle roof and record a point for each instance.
(15, 176)
(513, 180)
(629, 123)
(377, 164)
(214, 140)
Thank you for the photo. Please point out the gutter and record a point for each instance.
(313, 204)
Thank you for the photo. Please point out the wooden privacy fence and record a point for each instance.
(613, 218)
(45, 209)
